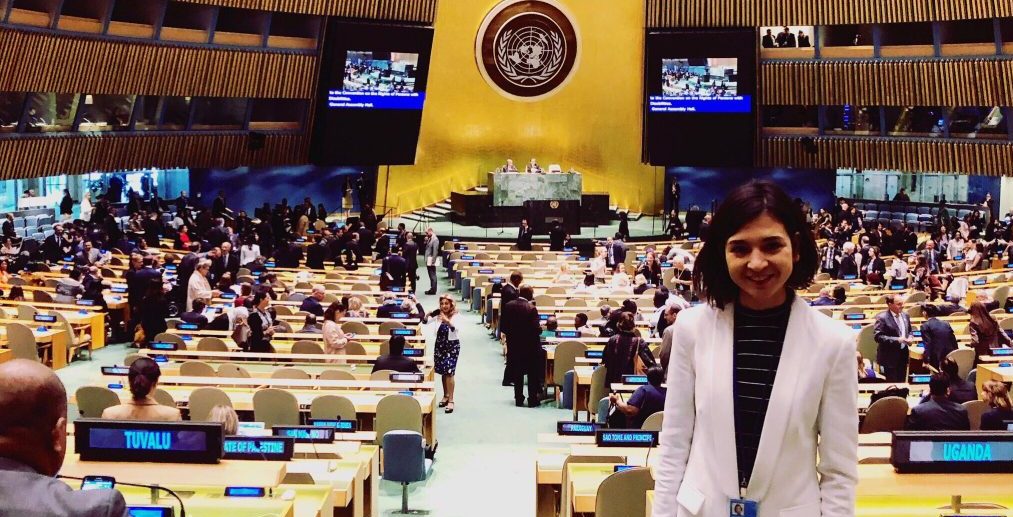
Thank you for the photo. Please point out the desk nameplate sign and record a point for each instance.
(625, 438)
(305, 433)
(564, 428)
(266, 448)
(952, 451)
(167, 442)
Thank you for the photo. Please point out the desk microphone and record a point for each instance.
(154, 489)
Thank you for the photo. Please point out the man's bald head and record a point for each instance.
(33, 415)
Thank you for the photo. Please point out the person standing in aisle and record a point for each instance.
(432, 252)
(448, 347)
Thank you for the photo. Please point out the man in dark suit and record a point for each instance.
(227, 262)
(803, 40)
(217, 235)
(507, 294)
(932, 257)
(395, 359)
(705, 228)
(939, 413)
(316, 254)
(615, 255)
(383, 246)
(410, 252)
(524, 235)
(393, 271)
(519, 321)
(311, 303)
(937, 337)
(8, 227)
(892, 333)
(218, 205)
(56, 246)
(557, 236)
(185, 270)
(830, 257)
(33, 442)
(768, 40)
(196, 316)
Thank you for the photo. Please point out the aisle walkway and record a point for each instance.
(485, 464)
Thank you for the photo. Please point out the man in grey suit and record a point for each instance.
(892, 333)
(432, 251)
(33, 441)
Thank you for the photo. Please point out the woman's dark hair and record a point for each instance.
(630, 307)
(143, 375)
(743, 205)
(839, 294)
(259, 297)
(333, 309)
(397, 344)
(625, 322)
(660, 298)
(589, 279)
(16, 292)
(655, 376)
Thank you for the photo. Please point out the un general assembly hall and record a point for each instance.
(693, 258)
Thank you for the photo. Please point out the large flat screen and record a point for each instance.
(371, 94)
(699, 97)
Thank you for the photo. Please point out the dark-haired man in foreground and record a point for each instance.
(33, 442)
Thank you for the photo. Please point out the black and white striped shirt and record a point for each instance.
(758, 340)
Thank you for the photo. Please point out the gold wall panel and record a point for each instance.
(760, 13)
(33, 61)
(986, 158)
(592, 124)
(74, 154)
(422, 11)
(967, 82)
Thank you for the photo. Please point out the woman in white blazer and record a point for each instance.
(806, 461)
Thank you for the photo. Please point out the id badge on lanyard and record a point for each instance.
(743, 507)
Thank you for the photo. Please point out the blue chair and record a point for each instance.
(566, 393)
(404, 461)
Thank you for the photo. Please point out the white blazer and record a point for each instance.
(813, 409)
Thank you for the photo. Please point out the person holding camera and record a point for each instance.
(448, 347)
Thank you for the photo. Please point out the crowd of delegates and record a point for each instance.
(212, 253)
(625, 353)
(953, 245)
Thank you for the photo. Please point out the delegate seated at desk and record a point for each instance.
(395, 360)
(143, 377)
(510, 167)
(33, 443)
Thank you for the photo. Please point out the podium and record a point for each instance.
(542, 214)
(514, 188)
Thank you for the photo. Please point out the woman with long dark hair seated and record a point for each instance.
(143, 376)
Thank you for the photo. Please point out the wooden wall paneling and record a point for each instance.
(41, 62)
(73, 154)
(723, 13)
(396, 10)
(991, 158)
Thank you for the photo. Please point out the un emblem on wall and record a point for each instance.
(527, 49)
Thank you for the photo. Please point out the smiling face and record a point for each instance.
(760, 259)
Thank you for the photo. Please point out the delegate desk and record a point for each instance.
(365, 401)
(343, 486)
(994, 372)
(250, 359)
(57, 339)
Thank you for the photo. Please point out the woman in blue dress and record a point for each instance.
(448, 347)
